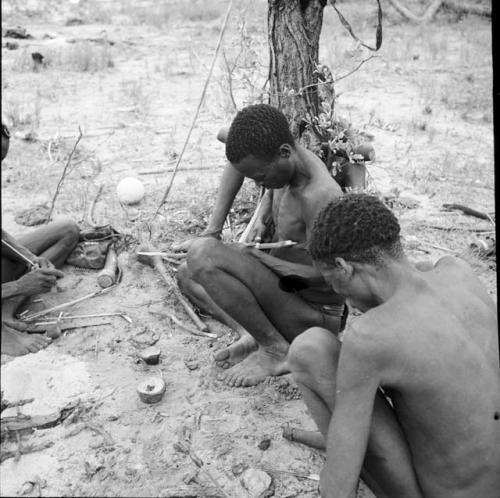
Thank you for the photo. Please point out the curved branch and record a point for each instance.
(427, 15)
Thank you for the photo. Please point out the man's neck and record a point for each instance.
(385, 281)
(302, 167)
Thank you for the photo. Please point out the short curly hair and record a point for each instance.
(257, 130)
(358, 228)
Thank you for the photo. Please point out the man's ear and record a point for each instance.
(223, 133)
(285, 151)
(344, 266)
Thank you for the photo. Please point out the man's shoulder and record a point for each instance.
(453, 263)
(322, 190)
(372, 331)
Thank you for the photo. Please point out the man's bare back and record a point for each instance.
(442, 375)
(427, 340)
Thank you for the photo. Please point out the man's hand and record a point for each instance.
(186, 244)
(43, 263)
(38, 281)
(257, 232)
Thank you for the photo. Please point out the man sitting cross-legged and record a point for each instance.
(411, 398)
(47, 247)
(242, 283)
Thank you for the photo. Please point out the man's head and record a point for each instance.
(259, 145)
(354, 237)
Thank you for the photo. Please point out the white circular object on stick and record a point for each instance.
(130, 190)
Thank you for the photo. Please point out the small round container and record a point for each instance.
(151, 390)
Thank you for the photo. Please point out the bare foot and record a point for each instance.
(257, 367)
(238, 351)
(15, 343)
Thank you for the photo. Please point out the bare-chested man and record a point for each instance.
(243, 283)
(47, 247)
(428, 339)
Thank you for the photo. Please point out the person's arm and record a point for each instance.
(230, 185)
(7, 252)
(264, 216)
(11, 289)
(349, 429)
(31, 283)
(285, 268)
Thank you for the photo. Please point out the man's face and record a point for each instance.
(347, 281)
(274, 174)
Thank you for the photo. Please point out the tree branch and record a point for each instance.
(427, 15)
(65, 170)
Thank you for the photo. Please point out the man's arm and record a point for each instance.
(285, 268)
(6, 251)
(347, 439)
(230, 185)
(11, 289)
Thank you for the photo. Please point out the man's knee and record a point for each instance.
(307, 348)
(69, 230)
(201, 257)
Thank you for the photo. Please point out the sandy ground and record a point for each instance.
(427, 105)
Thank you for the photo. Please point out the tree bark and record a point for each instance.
(294, 28)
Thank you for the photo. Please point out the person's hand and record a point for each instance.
(42, 262)
(186, 244)
(257, 232)
(38, 281)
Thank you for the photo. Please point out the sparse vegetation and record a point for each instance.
(425, 101)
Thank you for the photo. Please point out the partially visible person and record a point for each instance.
(350, 177)
(47, 247)
(410, 400)
(242, 285)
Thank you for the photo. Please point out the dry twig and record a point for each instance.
(195, 117)
(64, 172)
(66, 305)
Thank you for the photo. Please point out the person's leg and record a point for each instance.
(16, 343)
(197, 295)
(249, 293)
(55, 242)
(387, 468)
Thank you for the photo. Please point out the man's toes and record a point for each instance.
(42, 341)
(238, 382)
(221, 364)
(221, 355)
(231, 380)
(23, 350)
(33, 348)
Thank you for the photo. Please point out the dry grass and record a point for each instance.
(84, 56)
(23, 111)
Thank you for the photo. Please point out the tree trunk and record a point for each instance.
(294, 28)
